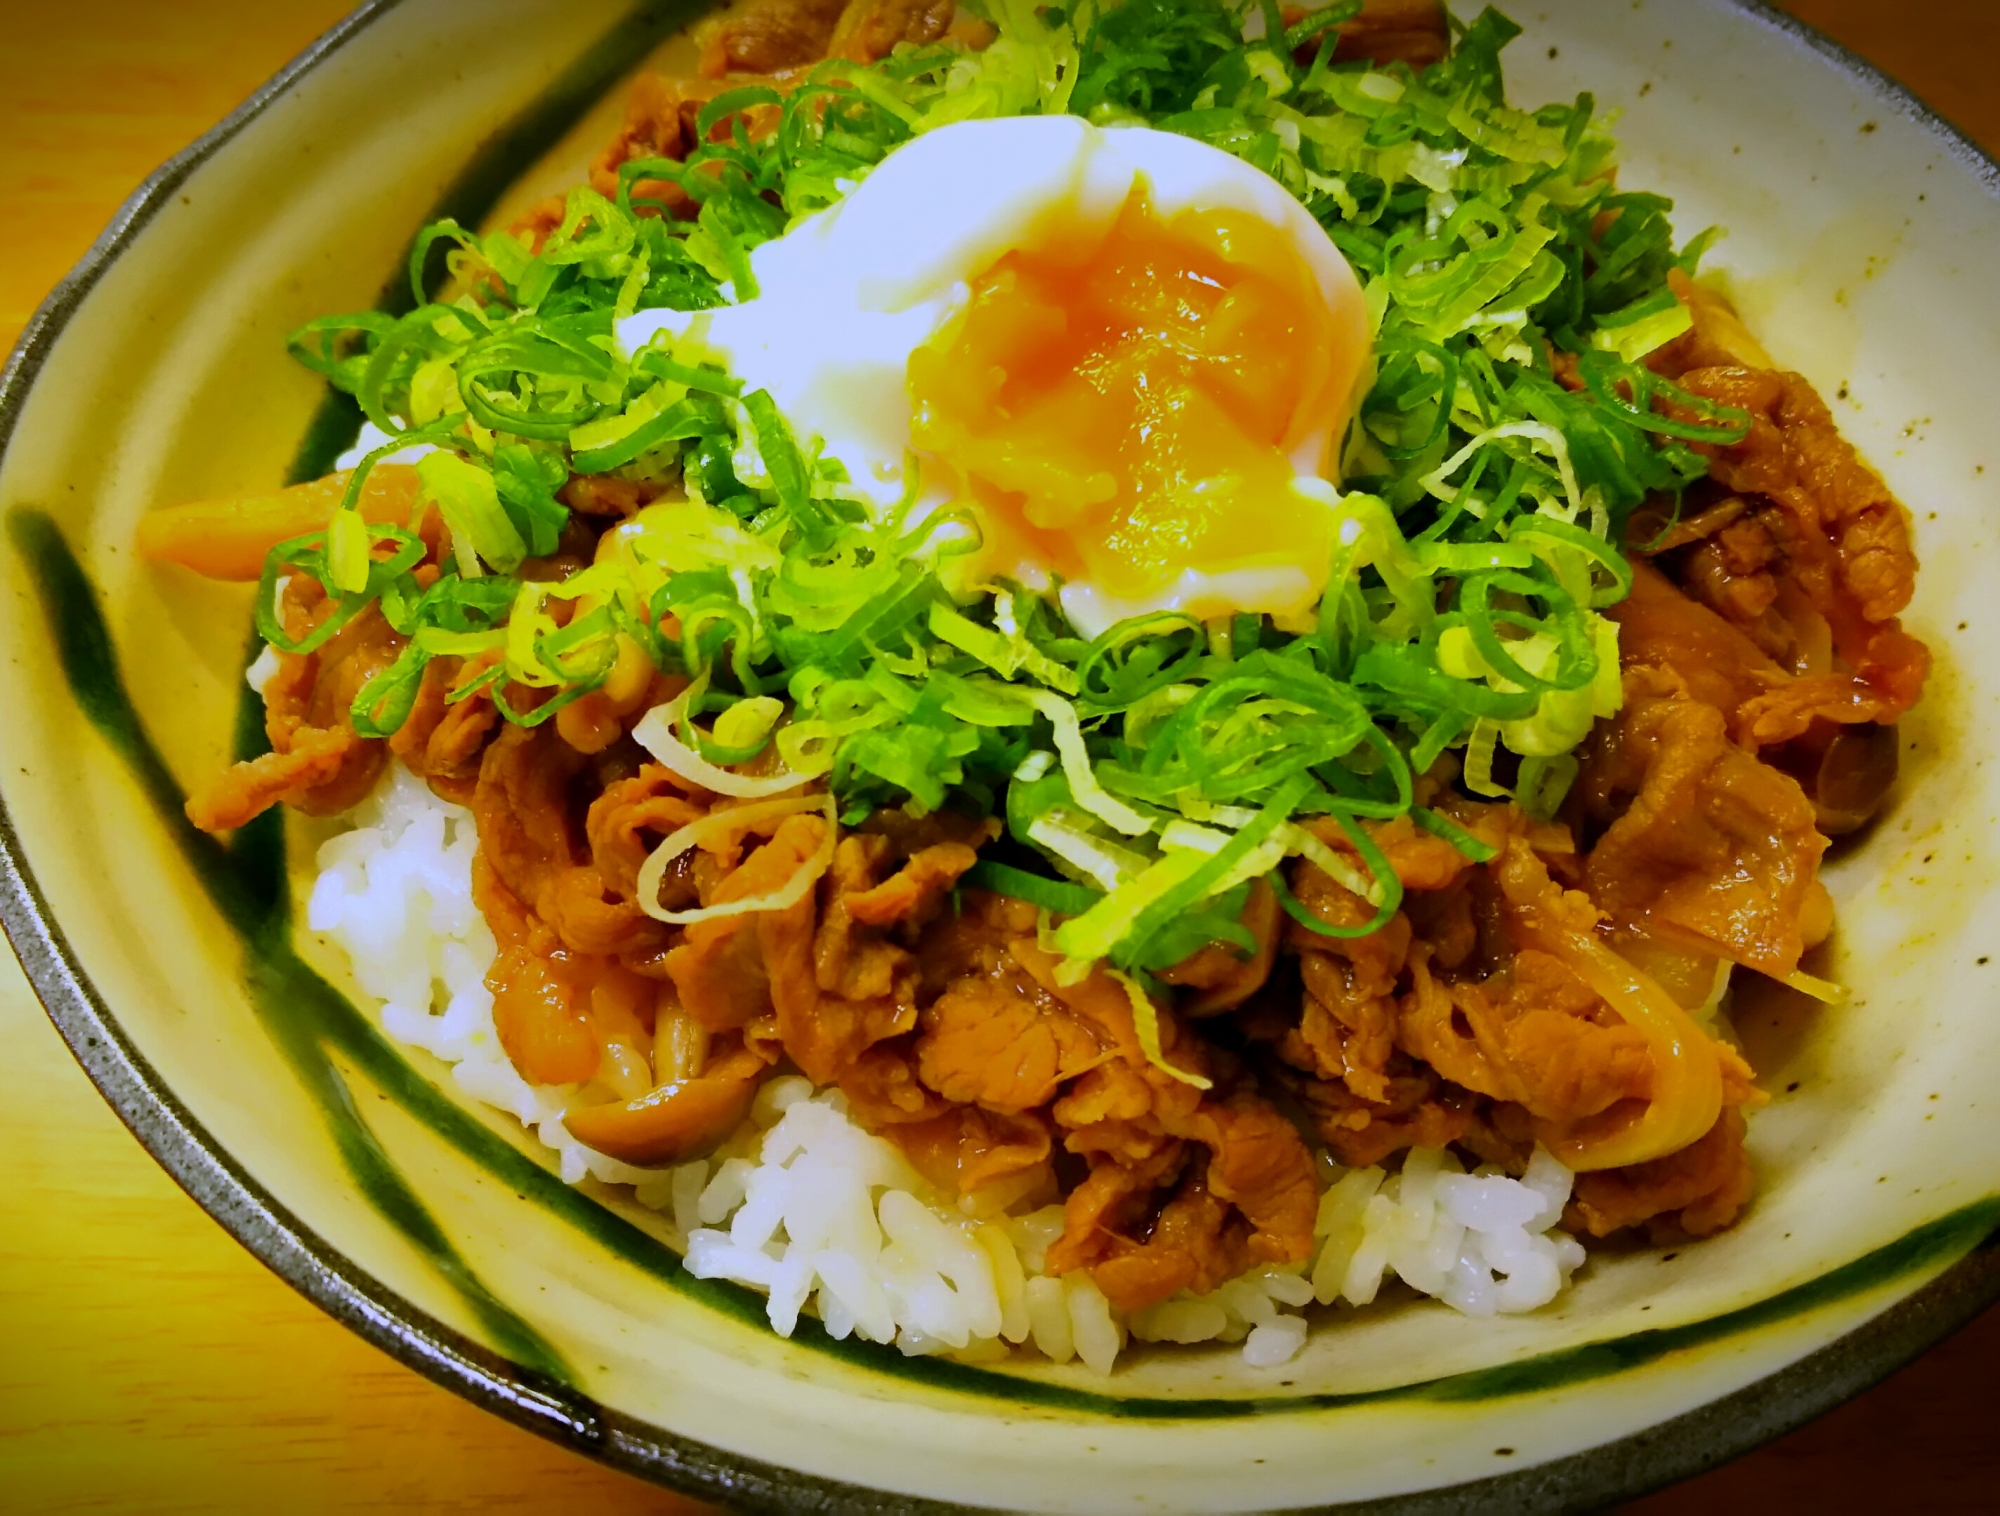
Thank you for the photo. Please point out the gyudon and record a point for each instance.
(1084, 675)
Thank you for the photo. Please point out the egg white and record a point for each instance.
(846, 296)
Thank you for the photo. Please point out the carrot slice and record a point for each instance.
(229, 539)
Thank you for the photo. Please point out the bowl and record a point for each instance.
(226, 1037)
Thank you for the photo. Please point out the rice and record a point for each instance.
(819, 1210)
(823, 1218)
(820, 1213)
(1483, 1243)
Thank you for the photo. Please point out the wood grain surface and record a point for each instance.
(149, 1364)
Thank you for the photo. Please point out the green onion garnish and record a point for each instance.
(1166, 760)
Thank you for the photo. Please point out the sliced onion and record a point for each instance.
(721, 823)
(655, 733)
(1687, 1078)
(1712, 1006)
(1820, 989)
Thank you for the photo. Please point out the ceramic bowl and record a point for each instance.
(1861, 230)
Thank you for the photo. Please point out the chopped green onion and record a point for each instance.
(1053, 895)
(1456, 835)
(1170, 761)
(1384, 877)
(469, 501)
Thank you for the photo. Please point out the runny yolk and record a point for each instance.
(1124, 412)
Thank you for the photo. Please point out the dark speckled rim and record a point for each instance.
(1673, 1450)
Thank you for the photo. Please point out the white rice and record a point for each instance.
(1481, 1242)
(819, 1212)
(806, 1207)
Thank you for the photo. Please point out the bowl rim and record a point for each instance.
(1650, 1458)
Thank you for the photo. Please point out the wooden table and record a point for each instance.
(147, 1363)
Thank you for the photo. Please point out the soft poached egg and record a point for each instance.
(1127, 353)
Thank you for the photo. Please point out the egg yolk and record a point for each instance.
(1124, 412)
